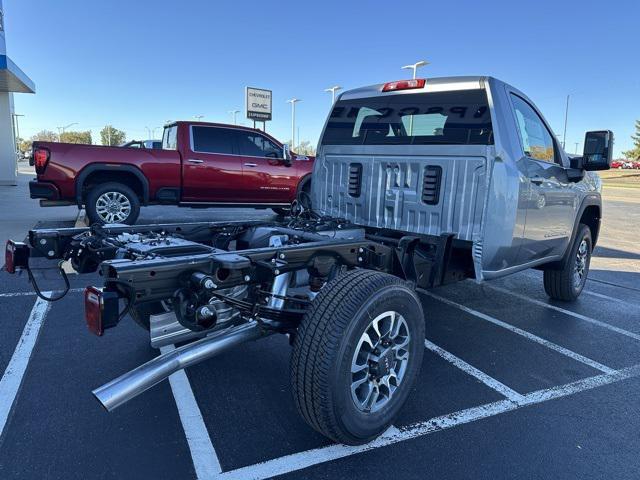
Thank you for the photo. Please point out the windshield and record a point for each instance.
(459, 118)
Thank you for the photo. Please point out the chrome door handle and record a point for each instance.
(250, 164)
(195, 160)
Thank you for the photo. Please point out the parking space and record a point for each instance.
(512, 385)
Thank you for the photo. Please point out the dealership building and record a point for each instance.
(12, 79)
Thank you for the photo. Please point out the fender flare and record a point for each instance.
(589, 201)
(592, 200)
(306, 178)
(103, 167)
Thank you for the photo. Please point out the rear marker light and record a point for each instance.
(16, 256)
(100, 309)
(404, 85)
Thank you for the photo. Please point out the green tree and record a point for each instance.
(112, 136)
(45, 136)
(634, 153)
(305, 148)
(76, 137)
(23, 144)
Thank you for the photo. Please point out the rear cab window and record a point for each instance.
(451, 118)
(212, 140)
(170, 138)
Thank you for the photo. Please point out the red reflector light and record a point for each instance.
(404, 85)
(40, 159)
(100, 309)
(16, 256)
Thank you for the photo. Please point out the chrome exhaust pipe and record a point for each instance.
(122, 389)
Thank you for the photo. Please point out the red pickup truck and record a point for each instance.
(200, 164)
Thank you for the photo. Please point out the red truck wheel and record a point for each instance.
(112, 202)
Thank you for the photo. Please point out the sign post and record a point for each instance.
(258, 105)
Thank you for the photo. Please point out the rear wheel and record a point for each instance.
(566, 282)
(112, 202)
(356, 355)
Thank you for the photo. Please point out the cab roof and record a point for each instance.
(436, 84)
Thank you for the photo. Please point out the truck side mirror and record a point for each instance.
(286, 155)
(598, 150)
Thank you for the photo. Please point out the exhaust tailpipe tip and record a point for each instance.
(131, 384)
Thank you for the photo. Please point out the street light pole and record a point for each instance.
(198, 117)
(148, 132)
(577, 147)
(333, 91)
(566, 116)
(61, 130)
(415, 66)
(293, 102)
(234, 114)
(17, 127)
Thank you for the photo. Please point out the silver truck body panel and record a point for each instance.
(487, 195)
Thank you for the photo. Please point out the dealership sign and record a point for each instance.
(258, 103)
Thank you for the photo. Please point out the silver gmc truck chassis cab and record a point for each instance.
(417, 183)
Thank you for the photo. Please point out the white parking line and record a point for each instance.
(490, 382)
(205, 459)
(613, 284)
(527, 335)
(301, 460)
(81, 219)
(12, 377)
(593, 321)
(611, 299)
(27, 294)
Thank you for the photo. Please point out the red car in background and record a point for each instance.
(200, 164)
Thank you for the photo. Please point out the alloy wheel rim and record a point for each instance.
(580, 268)
(113, 207)
(380, 360)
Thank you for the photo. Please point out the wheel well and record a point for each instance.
(591, 218)
(103, 176)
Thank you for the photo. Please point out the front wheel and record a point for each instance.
(566, 282)
(356, 355)
(283, 212)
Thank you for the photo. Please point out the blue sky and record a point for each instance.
(138, 64)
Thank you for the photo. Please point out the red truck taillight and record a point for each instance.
(404, 85)
(40, 159)
(16, 256)
(100, 309)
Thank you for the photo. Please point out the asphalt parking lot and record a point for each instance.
(512, 386)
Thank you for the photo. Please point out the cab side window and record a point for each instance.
(212, 140)
(536, 140)
(255, 145)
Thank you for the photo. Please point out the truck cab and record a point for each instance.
(472, 156)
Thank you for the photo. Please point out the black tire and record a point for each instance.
(560, 282)
(326, 343)
(302, 195)
(120, 190)
(283, 212)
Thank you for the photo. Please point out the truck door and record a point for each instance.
(266, 176)
(552, 203)
(211, 171)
